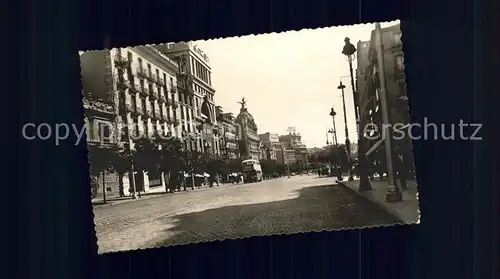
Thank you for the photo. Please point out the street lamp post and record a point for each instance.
(332, 114)
(364, 183)
(347, 141)
(334, 132)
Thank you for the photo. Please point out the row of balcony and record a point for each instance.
(123, 63)
(154, 114)
(145, 92)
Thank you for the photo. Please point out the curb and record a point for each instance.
(378, 203)
(158, 195)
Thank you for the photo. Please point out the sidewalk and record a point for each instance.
(406, 210)
(113, 200)
(153, 193)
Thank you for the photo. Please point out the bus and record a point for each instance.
(252, 172)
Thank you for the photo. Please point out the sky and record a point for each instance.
(288, 79)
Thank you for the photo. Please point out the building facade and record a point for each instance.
(249, 141)
(368, 84)
(196, 94)
(271, 147)
(228, 139)
(100, 121)
(140, 83)
(295, 151)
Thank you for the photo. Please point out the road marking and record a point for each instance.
(374, 147)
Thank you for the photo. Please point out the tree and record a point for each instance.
(121, 163)
(269, 166)
(234, 165)
(281, 169)
(100, 163)
(170, 159)
(146, 156)
(337, 155)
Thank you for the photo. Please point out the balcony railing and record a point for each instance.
(135, 88)
(144, 91)
(143, 73)
(164, 116)
(161, 82)
(153, 78)
(173, 88)
(162, 98)
(122, 84)
(97, 105)
(129, 107)
(149, 112)
(154, 94)
(121, 62)
(157, 114)
(180, 85)
(176, 122)
(175, 104)
(139, 110)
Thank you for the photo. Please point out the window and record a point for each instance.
(143, 103)
(139, 61)
(149, 69)
(400, 62)
(129, 56)
(104, 133)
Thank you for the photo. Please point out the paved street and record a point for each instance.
(284, 205)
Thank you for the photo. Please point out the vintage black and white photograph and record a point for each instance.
(266, 134)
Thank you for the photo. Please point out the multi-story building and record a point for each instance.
(196, 95)
(272, 149)
(228, 139)
(249, 141)
(280, 152)
(140, 84)
(291, 139)
(292, 144)
(368, 85)
(289, 156)
(301, 155)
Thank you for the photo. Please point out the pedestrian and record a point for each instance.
(319, 172)
(339, 173)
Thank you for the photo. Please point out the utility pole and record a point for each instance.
(347, 141)
(393, 192)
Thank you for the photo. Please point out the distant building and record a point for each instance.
(272, 148)
(292, 144)
(249, 141)
(291, 139)
(228, 139)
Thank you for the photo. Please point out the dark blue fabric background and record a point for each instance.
(51, 218)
